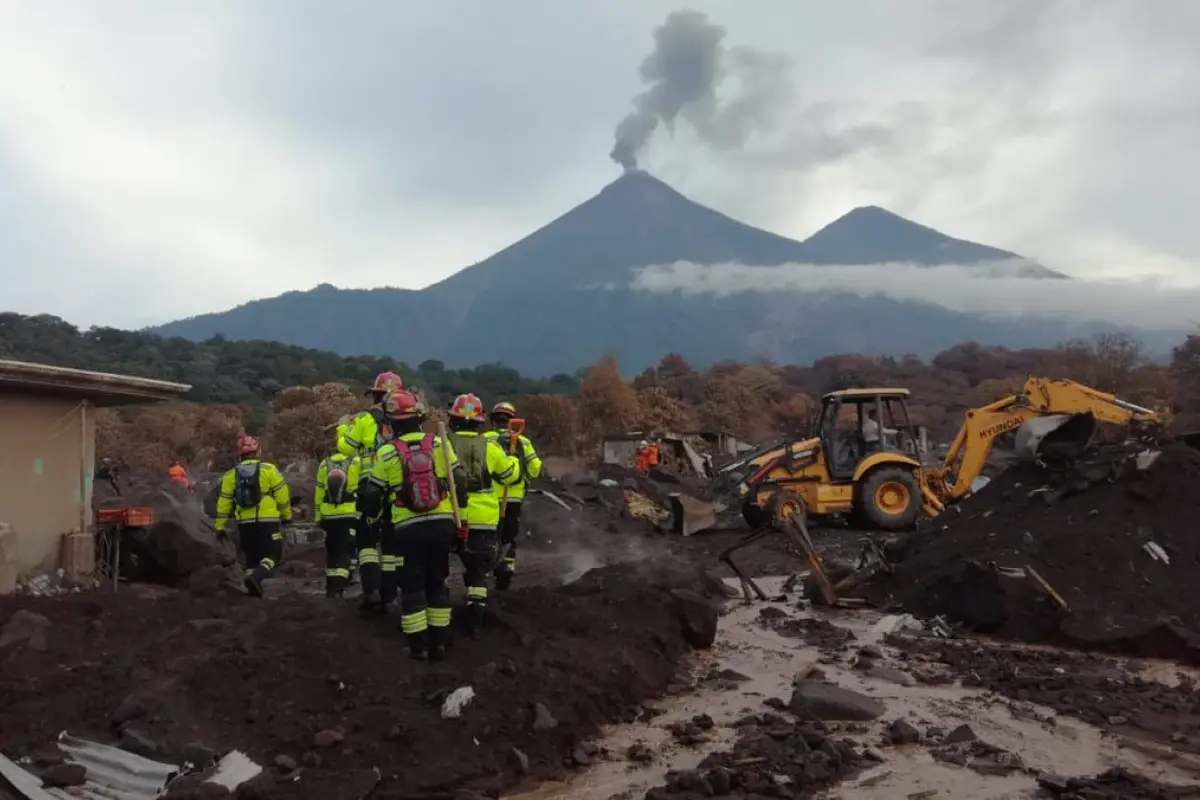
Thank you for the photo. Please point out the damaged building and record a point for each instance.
(47, 425)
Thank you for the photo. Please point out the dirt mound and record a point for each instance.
(1116, 784)
(1093, 688)
(773, 757)
(1092, 533)
(304, 678)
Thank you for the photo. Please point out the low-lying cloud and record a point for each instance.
(1002, 289)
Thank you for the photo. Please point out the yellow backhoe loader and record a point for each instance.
(865, 462)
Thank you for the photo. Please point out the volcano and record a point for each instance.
(561, 297)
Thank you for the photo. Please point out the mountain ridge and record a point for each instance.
(561, 296)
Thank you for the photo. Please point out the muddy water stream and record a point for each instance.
(1043, 740)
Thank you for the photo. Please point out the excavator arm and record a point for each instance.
(1075, 406)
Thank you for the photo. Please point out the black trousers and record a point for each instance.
(424, 598)
(510, 530)
(339, 544)
(262, 548)
(367, 538)
(477, 554)
(389, 560)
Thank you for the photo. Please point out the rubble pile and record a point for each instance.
(1116, 542)
(323, 698)
(773, 757)
(1115, 784)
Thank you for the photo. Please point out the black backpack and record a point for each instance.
(247, 490)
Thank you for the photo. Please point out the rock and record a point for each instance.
(891, 675)
(640, 753)
(260, 787)
(212, 791)
(64, 775)
(959, 735)
(198, 754)
(139, 742)
(873, 754)
(825, 701)
(519, 760)
(732, 675)
(901, 731)
(208, 581)
(312, 760)
(27, 628)
(870, 651)
(543, 720)
(698, 616)
(285, 763)
(580, 757)
(130, 708)
(48, 757)
(328, 737)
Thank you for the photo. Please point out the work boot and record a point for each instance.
(418, 645)
(371, 604)
(334, 592)
(503, 576)
(437, 644)
(253, 586)
(473, 616)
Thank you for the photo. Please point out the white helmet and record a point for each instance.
(644, 443)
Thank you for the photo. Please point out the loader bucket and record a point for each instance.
(1057, 437)
(690, 515)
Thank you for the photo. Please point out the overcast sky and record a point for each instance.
(161, 159)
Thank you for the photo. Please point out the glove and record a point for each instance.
(463, 532)
(222, 535)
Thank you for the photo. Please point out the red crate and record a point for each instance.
(133, 517)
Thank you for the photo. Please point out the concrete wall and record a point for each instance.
(46, 445)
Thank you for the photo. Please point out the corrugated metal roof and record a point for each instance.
(112, 774)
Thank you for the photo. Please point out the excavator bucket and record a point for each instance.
(1059, 437)
(690, 515)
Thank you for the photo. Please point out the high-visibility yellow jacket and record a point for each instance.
(531, 463)
(362, 437)
(387, 474)
(276, 502)
(485, 464)
(327, 510)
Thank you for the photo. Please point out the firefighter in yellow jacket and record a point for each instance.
(256, 495)
(531, 469)
(410, 477)
(362, 436)
(335, 500)
(487, 467)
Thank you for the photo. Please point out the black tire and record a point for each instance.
(756, 516)
(902, 511)
(783, 504)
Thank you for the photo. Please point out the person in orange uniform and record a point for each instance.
(179, 475)
(641, 459)
(652, 455)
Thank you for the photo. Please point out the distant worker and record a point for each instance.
(652, 454)
(512, 497)
(256, 495)
(485, 464)
(409, 476)
(871, 430)
(363, 436)
(110, 472)
(179, 475)
(641, 456)
(335, 500)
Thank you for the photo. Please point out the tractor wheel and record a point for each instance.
(755, 515)
(889, 499)
(782, 505)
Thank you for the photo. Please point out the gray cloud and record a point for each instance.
(1002, 289)
(238, 150)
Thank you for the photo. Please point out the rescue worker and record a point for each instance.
(485, 464)
(111, 472)
(179, 475)
(410, 476)
(641, 456)
(376, 557)
(255, 494)
(652, 454)
(512, 497)
(335, 499)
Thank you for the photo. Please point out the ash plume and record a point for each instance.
(683, 73)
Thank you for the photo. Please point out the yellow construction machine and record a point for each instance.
(865, 461)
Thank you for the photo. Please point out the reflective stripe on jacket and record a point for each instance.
(531, 463)
(388, 474)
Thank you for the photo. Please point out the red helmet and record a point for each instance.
(387, 382)
(504, 409)
(468, 407)
(403, 404)
(247, 446)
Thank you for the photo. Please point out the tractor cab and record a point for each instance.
(856, 423)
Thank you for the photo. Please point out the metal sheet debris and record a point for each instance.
(112, 774)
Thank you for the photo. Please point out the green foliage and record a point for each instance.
(247, 372)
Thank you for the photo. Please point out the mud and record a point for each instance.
(302, 677)
(1101, 691)
(1086, 532)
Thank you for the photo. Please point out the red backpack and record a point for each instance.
(421, 490)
